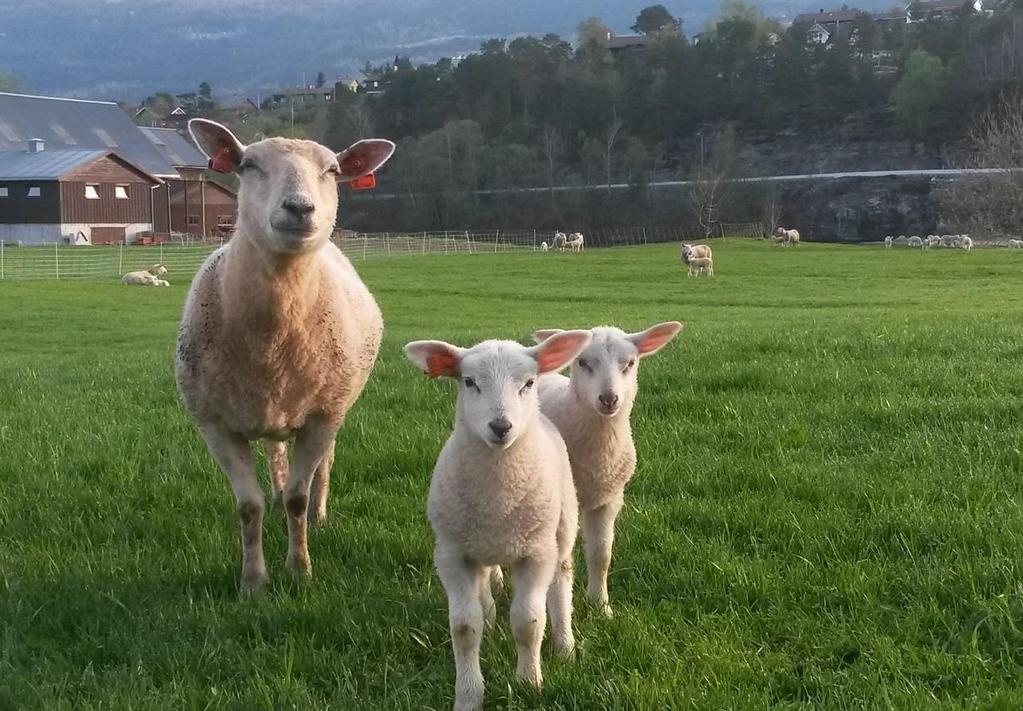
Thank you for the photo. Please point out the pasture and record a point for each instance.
(826, 511)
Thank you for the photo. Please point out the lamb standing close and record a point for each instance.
(701, 265)
(591, 409)
(502, 494)
(279, 334)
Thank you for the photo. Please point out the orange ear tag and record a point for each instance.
(366, 182)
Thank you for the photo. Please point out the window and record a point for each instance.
(3, 192)
(193, 219)
(121, 192)
(34, 191)
(91, 192)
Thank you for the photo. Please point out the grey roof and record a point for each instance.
(73, 125)
(48, 165)
(178, 150)
(829, 17)
(627, 41)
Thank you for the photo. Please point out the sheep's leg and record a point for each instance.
(559, 602)
(496, 579)
(234, 456)
(321, 485)
(277, 458)
(487, 598)
(311, 447)
(531, 579)
(598, 534)
(462, 583)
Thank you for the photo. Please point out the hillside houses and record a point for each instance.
(82, 172)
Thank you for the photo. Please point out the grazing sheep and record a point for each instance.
(1016, 244)
(690, 251)
(559, 241)
(544, 246)
(933, 241)
(888, 242)
(591, 410)
(915, 241)
(787, 237)
(147, 277)
(279, 334)
(965, 242)
(502, 494)
(948, 240)
(575, 242)
(701, 265)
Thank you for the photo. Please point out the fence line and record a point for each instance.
(184, 256)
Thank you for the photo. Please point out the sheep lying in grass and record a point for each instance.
(701, 265)
(691, 251)
(591, 410)
(575, 242)
(502, 494)
(146, 277)
(888, 242)
(279, 334)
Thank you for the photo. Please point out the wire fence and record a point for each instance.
(183, 257)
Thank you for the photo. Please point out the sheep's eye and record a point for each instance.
(629, 365)
(470, 383)
(529, 384)
(584, 364)
(333, 171)
(247, 165)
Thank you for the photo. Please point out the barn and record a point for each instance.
(182, 201)
(74, 196)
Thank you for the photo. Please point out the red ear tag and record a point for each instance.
(366, 182)
(223, 162)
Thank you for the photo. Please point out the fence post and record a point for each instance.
(497, 239)
(56, 257)
(365, 243)
(722, 226)
(1, 260)
(424, 243)
(120, 258)
(161, 253)
(468, 242)
(644, 235)
(387, 243)
(534, 239)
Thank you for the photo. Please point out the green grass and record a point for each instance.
(826, 512)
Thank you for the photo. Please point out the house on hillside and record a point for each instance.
(622, 44)
(65, 125)
(301, 95)
(826, 27)
(79, 196)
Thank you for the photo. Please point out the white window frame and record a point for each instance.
(92, 192)
(121, 192)
(5, 192)
(34, 191)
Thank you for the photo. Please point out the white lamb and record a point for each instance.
(933, 241)
(575, 242)
(161, 282)
(948, 241)
(701, 265)
(888, 242)
(1016, 244)
(279, 334)
(787, 237)
(147, 277)
(544, 246)
(965, 242)
(502, 494)
(915, 241)
(591, 410)
(559, 241)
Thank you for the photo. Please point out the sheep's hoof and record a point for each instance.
(300, 568)
(316, 517)
(602, 608)
(252, 586)
(531, 676)
(564, 648)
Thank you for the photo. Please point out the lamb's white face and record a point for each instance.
(497, 398)
(604, 375)
(288, 193)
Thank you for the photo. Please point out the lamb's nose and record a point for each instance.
(298, 206)
(500, 427)
(608, 400)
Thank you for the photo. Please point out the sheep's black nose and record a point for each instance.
(299, 207)
(608, 400)
(500, 427)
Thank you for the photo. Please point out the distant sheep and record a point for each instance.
(559, 241)
(544, 247)
(915, 241)
(1016, 244)
(786, 237)
(888, 242)
(701, 265)
(147, 277)
(692, 251)
(965, 242)
(933, 240)
(575, 242)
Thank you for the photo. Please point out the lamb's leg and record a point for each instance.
(234, 456)
(465, 614)
(487, 597)
(321, 485)
(496, 579)
(598, 534)
(531, 578)
(277, 458)
(311, 446)
(559, 603)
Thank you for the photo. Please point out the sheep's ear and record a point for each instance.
(218, 143)
(558, 351)
(544, 333)
(363, 158)
(656, 337)
(435, 358)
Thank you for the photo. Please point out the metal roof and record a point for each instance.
(826, 17)
(75, 125)
(47, 165)
(178, 150)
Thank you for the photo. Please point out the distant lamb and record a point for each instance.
(701, 265)
(888, 242)
(279, 334)
(575, 242)
(544, 246)
(787, 237)
(1016, 244)
(591, 410)
(933, 241)
(965, 242)
(146, 277)
(915, 241)
(502, 494)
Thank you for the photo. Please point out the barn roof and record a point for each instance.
(178, 150)
(69, 125)
(53, 165)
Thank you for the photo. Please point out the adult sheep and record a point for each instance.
(575, 242)
(695, 251)
(786, 237)
(279, 334)
(146, 277)
(559, 241)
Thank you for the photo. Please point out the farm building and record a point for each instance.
(183, 200)
(78, 196)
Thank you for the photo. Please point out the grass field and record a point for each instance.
(826, 513)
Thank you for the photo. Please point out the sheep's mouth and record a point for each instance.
(608, 411)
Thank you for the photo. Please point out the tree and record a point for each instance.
(712, 181)
(919, 93)
(592, 30)
(550, 146)
(205, 96)
(320, 80)
(656, 19)
(610, 136)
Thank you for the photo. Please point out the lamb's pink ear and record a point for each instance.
(544, 333)
(363, 158)
(558, 351)
(218, 143)
(435, 358)
(656, 337)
